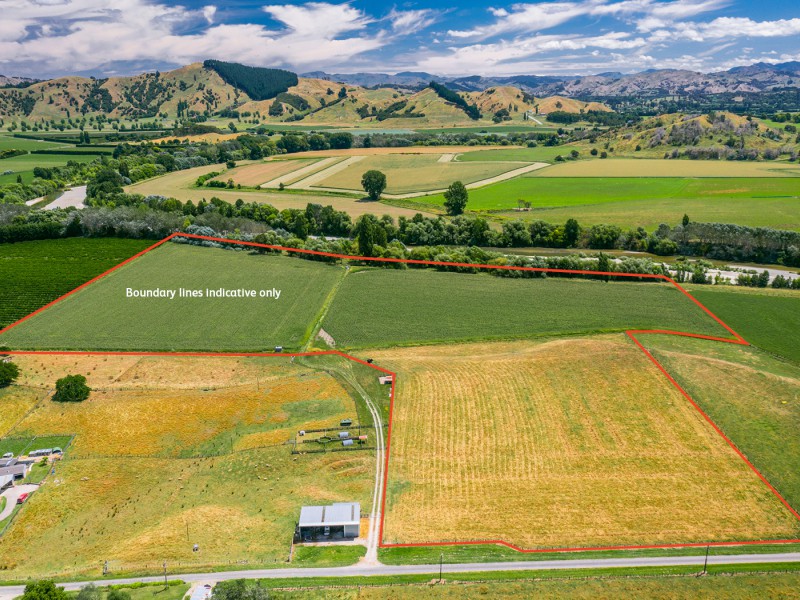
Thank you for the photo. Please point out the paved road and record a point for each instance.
(11, 495)
(366, 570)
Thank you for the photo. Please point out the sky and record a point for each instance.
(50, 38)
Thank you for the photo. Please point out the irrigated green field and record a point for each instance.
(576, 191)
(102, 317)
(25, 163)
(35, 273)
(752, 396)
(767, 318)
(387, 307)
(9, 141)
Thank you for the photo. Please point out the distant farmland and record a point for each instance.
(381, 307)
(100, 317)
(565, 443)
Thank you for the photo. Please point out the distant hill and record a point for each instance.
(6, 81)
(758, 77)
(263, 96)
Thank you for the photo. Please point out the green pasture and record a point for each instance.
(25, 164)
(753, 397)
(768, 319)
(8, 141)
(389, 307)
(35, 273)
(101, 317)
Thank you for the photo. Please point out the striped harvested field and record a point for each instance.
(566, 443)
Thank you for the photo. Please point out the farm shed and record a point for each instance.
(6, 481)
(15, 471)
(341, 520)
(385, 380)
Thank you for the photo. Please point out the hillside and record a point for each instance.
(720, 135)
(259, 96)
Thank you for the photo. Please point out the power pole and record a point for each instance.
(441, 560)
(166, 585)
(705, 564)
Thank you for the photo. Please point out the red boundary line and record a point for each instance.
(737, 339)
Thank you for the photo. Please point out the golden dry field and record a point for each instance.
(170, 444)
(14, 403)
(261, 172)
(567, 443)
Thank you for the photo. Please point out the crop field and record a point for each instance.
(565, 443)
(25, 163)
(752, 396)
(633, 167)
(416, 172)
(769, 319)
(170, 444)
(424, 306)
(537, 154)
(255, 174)
(180, 185)
(35, 273)
(101, 317)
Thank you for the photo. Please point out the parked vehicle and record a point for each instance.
(22, 498)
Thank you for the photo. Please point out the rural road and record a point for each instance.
(73, 197)
(11, 495)
(9, 592)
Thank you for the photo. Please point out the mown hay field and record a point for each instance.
(102, 317)
(380, 307)
(567, 443)
(254, 175)
(151, 458)
(407, 173)
(752, 396)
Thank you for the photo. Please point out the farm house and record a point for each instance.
(336, 521)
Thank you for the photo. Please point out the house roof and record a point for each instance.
(14, 470)
(334, 515)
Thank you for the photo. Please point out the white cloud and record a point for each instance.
(729, 28)
(510, 56)
(406, 22)
(530, 17)
(93, 33)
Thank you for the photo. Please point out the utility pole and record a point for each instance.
(705, 564)
(441, 560)
(166, 585)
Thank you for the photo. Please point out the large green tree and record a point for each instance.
(455, 198)
(44, 590)
(373, 182)
(572, 232)
(8, 373)
(72, 388)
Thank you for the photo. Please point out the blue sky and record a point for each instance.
(48, 38)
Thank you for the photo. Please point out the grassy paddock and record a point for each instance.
(469, 420)
(35, 273)
(752, 396)
(172, 451)
(632, 167)
(423, 306)
(25, 163)
(776, 328)
(101, 317)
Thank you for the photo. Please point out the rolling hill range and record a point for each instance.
(265, 96)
